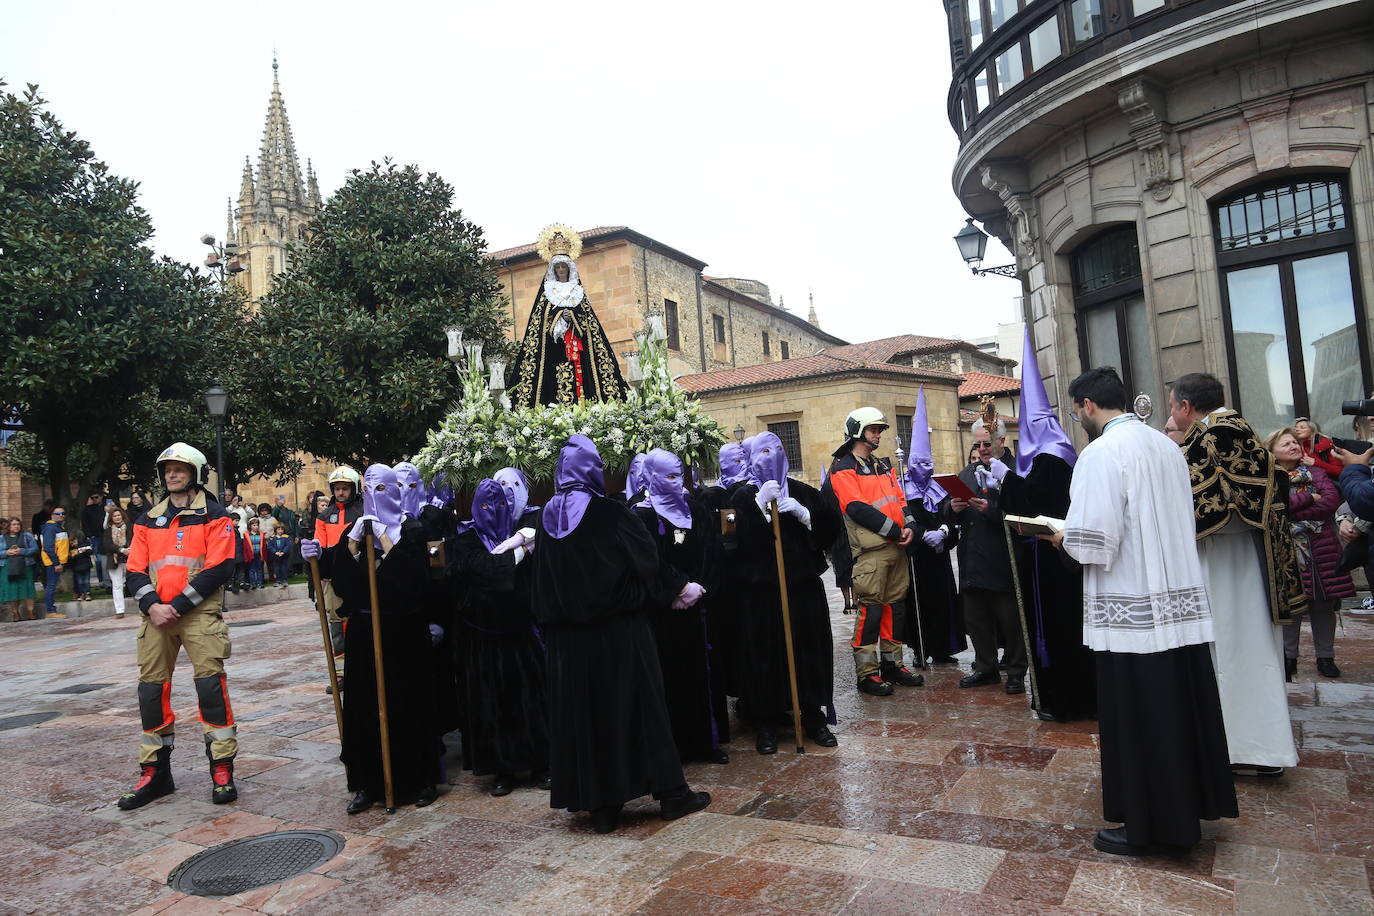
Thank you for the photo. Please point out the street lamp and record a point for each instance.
(217, 403)
(223, 259)
(739, 432)
(973, 244)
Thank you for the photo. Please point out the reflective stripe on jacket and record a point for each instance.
(336, 520)
(183, 557)
(869, 495)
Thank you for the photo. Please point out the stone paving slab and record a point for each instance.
(938, 800)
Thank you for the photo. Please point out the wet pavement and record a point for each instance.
(938, 800)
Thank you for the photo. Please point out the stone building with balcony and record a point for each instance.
(1186, 184)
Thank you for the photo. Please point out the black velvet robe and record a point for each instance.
(692, 688)
(767, 694)
(724, 612)
(611, 739)
(1065, 678)
(500, 662)
(936, 594)
(402, 580)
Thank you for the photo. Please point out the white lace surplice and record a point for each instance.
(1131, 526)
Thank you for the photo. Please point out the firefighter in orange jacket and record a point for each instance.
(183, 554)
(346, 507)
(879, 526)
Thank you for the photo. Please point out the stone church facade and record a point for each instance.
(1186, 184)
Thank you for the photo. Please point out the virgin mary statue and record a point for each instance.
(564, 356)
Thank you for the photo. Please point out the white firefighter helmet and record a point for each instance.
(180, 451)
(345, 474)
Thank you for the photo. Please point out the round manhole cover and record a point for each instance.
(249, 623)
(256, 861)
(27, 719)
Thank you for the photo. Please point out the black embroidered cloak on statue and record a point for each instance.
(543, 374)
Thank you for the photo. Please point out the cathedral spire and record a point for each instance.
(812, 317)
(232, 233)
(312, 186)
(279, 168)
(246, 189)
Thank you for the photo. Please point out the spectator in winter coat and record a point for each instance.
(55, 546)
(1316, 448)
(279, 556)
(118, 539)
(93, 527)
(18, 552)
(1312, 504)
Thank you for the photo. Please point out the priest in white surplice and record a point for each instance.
(1251, 569)
(1146, 616)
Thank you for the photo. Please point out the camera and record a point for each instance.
(1363, 408)
(1353, 446)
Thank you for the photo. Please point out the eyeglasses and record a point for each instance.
(982, 445)
(59, 512)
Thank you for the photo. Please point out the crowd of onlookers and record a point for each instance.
(92, 548)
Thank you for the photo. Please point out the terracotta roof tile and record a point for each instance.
(817, 364)
(978, 383)
(587, 236)
(884, 349)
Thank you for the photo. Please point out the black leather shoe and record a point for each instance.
(765, 742)
(1326, 667)
(875, 686)
(426, 797)
(543, 782)
(822, 735)
(1290, 669)
(980, 680)
(361, 802)
(901, 675)
(1016, 684)
(688, 802)
(604, 820)
(718, 755)
(502, 785)
(1113, 840)
(944, 660)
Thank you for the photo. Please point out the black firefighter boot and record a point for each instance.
(154, 782)
(222, 788)
(897, 673)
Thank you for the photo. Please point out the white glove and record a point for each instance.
(560, 325)
(997, 470)
(691, 593)
(519, 539)
(520, 554)
(935, 539)
(789, 506)
(310, 549)
(984, 478)
(356, 532)
(436, 634)
(768, 491)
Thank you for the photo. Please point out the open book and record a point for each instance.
(1040, 524)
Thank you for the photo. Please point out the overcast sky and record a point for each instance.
(805, 144)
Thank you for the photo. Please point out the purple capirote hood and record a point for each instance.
(767, 460)
(917, 483)
(517, 488)
(666, 494)
(734, 464)
(408, 479)
(578, 476)
(382, 500)
(637, 477)
(1041, 433)
(492, 517)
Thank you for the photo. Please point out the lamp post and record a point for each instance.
(739, 432)
(973, 244)
(222, 259)
(217, 403)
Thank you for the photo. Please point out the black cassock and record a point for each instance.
(500, 662)
(692, 688)
(594, 589)
(767, 695)
(402, 580)
(1052, 592)
(724, 609)
(936, 593)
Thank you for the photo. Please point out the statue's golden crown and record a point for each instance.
(559, 239)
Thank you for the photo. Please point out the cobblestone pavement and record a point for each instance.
(938, 800)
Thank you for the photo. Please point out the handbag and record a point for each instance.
(15, 566)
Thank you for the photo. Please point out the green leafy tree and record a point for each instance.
(353, 330)
(108, 347)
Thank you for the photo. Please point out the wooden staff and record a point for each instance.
(328, 644)
(915, 608)
(1021, 616)
(378, 665)
(787, 629)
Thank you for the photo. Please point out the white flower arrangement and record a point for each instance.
(479, 437)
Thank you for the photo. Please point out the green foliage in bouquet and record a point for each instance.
(480, 436)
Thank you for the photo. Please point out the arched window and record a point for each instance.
(1113, 320)
(1295, 323)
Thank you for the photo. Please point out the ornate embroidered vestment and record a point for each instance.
(545, 371)
(1233, 474)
